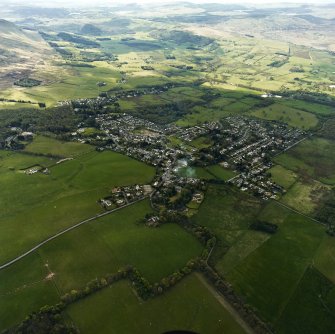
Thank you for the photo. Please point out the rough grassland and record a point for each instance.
(305, 197)
(227, 213)
(187, 306)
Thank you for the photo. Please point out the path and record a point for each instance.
(5, 265)
(298, 212)
(226, 305)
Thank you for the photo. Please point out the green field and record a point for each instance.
(314, 158)
(37, 206)
(311, 307)
(268, 276)
(54, 147)
(94, 250)
(282, 176)
(221, 172)
(227, 213)
(325, 258)
(293, 117)
(187, 306)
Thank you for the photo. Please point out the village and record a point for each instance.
(241, 144)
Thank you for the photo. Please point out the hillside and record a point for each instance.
(20, 51)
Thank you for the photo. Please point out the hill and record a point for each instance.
(20, 51)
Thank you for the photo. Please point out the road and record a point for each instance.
(5, 265)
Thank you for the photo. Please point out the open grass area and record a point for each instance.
(227, 213)
(293, 117)
(202, 142)
(24, 289)
(282, 176)
(314, 157)
(51, 146)
(115, 241)
(37, 206)
(324, 259)
(311, 307)
(75, 83)
(221, 172)
(268, 276)
(93, 250)
(315, 108)
(187, 306)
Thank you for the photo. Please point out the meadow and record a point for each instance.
(187, 306)
(227, 213)
(276, 267)
(313, 158)
(62, 198)
(293, 117)
(54, 147)
(93, 250)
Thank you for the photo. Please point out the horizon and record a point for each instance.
(81, 3)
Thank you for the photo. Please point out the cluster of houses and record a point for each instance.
(240, 143)
(17, 137)
(109, 98)
(251, 151)
(124, 195)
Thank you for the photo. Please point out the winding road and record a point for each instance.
(5, 265)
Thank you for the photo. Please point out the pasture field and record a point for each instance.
(66, 196)
(282, 176)
(54, 147)
(75, 83)
(227, 213)
(325, 258)
(313, 158)
(315, 108)
(221, 172)
(268, 276)
(94, 250)
(24, 289)
(311, 307)
(293, 117)
(187, 306)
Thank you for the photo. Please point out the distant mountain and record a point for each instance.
(90, 29)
